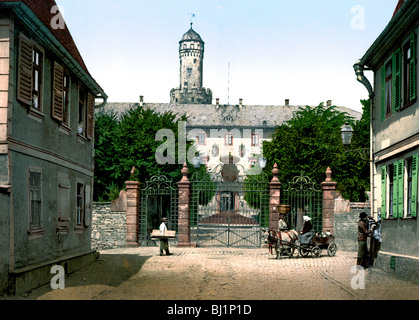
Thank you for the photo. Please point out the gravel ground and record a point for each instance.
(224, 274)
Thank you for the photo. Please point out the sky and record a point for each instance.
(261, 51)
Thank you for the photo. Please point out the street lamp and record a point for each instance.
(262, 162)
(346, 134)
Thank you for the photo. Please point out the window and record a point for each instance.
(86, 114)
(82, 111)
(414, 186)
(228, 139)
(400, 201)
(30, 73)
(80, 205)
(201, 138)
(388, 88)
(409, 187)
(398, 79)
(255, 139)
(37, 59)
(391, 191)
(189, 71)
(409, 71)
(35, 201)
(66, 98)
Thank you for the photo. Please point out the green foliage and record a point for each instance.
(121, 144)
(310, 142)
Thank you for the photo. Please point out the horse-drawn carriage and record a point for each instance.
(284, 243)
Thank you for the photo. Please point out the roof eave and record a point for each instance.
(404, 19)
(33, 22)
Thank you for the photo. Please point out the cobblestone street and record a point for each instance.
(223, 274)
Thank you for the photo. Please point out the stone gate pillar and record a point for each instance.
(133, 205)
(329, 194)
(274, 198)
(184, 224)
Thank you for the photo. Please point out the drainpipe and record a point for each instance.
(105, 101)
(360, 77)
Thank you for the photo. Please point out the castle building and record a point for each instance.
(218, 130)
(191, 55)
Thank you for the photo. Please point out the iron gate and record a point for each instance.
(227, 209)
(158, 199)
(305, 198)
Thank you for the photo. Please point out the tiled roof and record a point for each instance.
(42, 9)
(224, 115)
(191, 35)
(399, 5)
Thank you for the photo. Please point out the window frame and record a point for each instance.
(80, 211)
(199, 141)
(228, 139)
(38, 229)
(255, 139)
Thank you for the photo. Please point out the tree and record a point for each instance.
(310, 142)
(130, 141)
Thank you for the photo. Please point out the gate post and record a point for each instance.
(329, 193)
(274, 198)
(133, 204)
(184, 223)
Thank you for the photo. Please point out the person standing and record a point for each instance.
(306, 234)
(164, 242)
(363, 233)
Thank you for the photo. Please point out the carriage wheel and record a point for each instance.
(332, 249)
(304, 252)
(316, 252)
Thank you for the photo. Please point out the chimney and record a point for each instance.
(217, 101)
(141, 101)
(287, 102)
(240, 102)
(329, 103)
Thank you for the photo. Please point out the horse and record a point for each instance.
(280, 241)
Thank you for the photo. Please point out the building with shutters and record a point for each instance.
(47, 102)
(393, 58)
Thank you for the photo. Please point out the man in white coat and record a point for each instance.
(164, 242)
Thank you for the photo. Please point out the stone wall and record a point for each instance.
(109, 228)
(346, 223)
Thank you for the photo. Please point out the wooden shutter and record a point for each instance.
(90, 116)
(395, 189)
(414, 185)
(24, 84)
(412, 68)
(383, 93)
(57, 92)
(383, 191)
(396, 78)
(400, 187)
